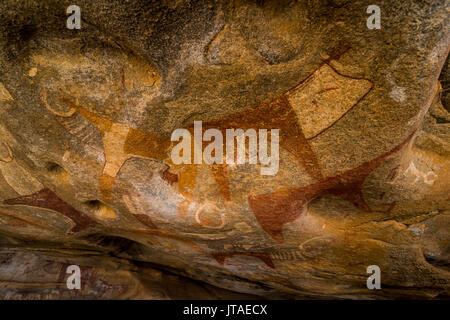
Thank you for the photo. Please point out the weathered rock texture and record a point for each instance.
(86, 176)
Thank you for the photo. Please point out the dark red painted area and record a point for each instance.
(276, 114)
(279, 114)
(47, 199)
(222, 180)
(273, 210)
(264, 257)
(171, 178)
(146, 220)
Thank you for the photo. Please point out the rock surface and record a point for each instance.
(86, 118)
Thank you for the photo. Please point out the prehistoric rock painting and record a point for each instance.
(264, 257)
(169, 177)
(19, 179)
(273, 210)
(47, 199)
(286, 255)
(292, 114)
(325, 97)
(92, 112)
(206, 222)
(120, 142)
(220, 257)
(134, 206)
(49, 275)
(16, 176)
(301, 113)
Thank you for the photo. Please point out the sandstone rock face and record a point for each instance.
(87, 175)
